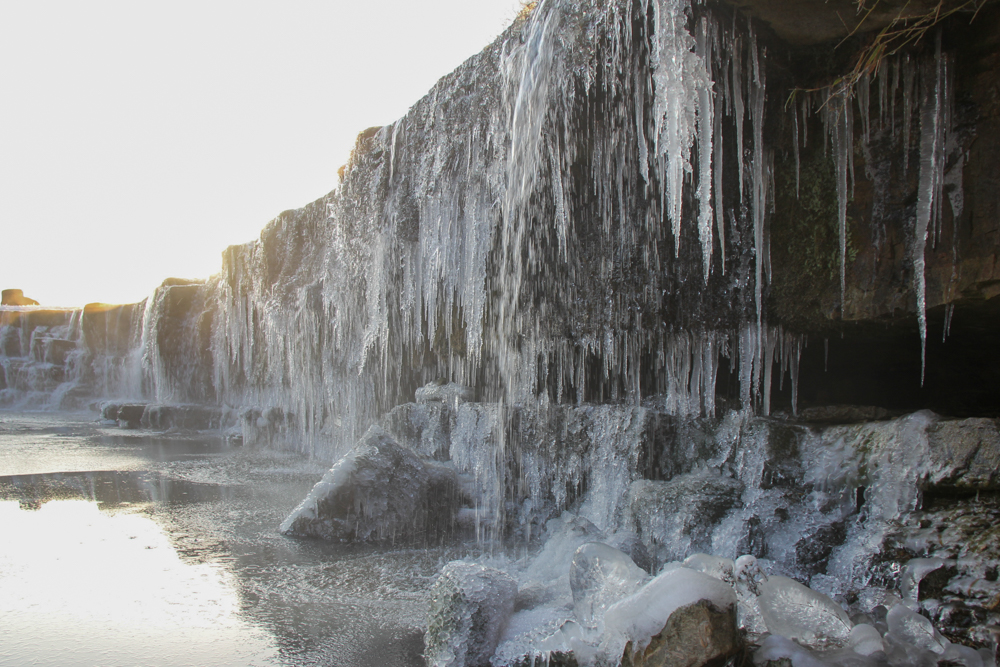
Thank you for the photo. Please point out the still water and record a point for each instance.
(131, 548)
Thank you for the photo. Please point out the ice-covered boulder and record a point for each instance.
(599, 576)
(673, 517)
(906, 625)
(470, 605)
(802, 614)
(682, 618)
(380, 492)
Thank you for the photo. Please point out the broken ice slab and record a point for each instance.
(802, 614)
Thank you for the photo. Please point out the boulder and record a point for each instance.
(470, 605)
(184, 417)
(682, 618)
(130, 415)
(15, 297)
(379, 492)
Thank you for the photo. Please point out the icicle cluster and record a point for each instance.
(924, 89)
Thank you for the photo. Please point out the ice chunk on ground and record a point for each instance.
(470, 605)
(865, 639)
(640, 616)
(381, 492)
(910, 627)
(599, 576)
(802, 614)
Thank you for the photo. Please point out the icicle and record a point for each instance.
(863, 90)
(795, 147)
(805, 120)
(932, 117)
(837, 118)
(826, 354)
(908, 79)
(720, 218)
(758, 184)
(739, 109)
(949, 312)
(706, 129)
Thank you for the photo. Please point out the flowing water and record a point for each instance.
(126, 548)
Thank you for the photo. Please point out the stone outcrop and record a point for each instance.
(15, 297)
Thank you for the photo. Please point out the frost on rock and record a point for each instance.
(380, 492)
(802, 614)
(671, 608)
(599, 576)
(470, 605)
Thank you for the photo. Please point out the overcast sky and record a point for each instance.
(139, 139)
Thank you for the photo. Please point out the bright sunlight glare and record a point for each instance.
(139, 140)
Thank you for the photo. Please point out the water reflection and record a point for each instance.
(79, 586)
(108, 488)
(79, 504)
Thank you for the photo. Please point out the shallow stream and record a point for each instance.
(129, 547)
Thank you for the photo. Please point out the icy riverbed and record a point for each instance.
(126, 547)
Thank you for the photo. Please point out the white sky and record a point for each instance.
(138, 139)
